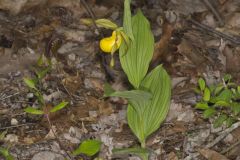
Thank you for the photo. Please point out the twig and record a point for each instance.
(235, 40)
(67, 91)
(223, 134)
(92, 15)
(64, 87)
(230, 129)
(214, 11)
(107, 70)
(9, 96)
(231, 147)
(15, 126)
(219, 138)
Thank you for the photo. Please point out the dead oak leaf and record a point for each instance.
(211, 155)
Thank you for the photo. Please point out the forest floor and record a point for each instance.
(193, 39)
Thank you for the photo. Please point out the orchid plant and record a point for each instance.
(148, 102)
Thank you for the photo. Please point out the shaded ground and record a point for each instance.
(192, 41)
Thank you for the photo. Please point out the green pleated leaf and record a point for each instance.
(105, 23)
(40, 60)
(238, 89)
(206, 94)
(108, 90)
(211, 88)
(59, 107)
(151, 113)
(230, 121)
(202, 106)
(201, 84)
(88, 147)
(196, 90)
(127, 19)
(42, 73)
(2, 135)
(221, 103)
(135, 59)
(32, 110)
(225, 95)
(126, 40)
(209, 112)
(135, 97)
(218, 89)
(235, 107)
(219, 121)
(30, 83)
(39, 96)
(141, 152)
(227, 78)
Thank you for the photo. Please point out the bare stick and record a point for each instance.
(109, 73)
(16, 126)
(214, 11)
(231, 147)
(92, 15)
(235, 40)
(223, 134)
(9, 96)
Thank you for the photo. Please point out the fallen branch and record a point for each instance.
(233, 39)
(3, 98)
(230, 147)
(214, 11)
(222, 135)
(15, 126)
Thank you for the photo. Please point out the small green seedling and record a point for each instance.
(5, 153)
(34, 84)
(88, 148)
(219, 101)
(56, 108)
(44, 110)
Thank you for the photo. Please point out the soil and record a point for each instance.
(192, 39)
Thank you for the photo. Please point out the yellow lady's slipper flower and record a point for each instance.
(107, 44)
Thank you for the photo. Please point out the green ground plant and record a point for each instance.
(219, 101)
(4, 152)
(35, 84)
(148, 101)
(87, 147)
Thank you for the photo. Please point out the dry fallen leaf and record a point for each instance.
(172, 156)
(51, 132)
(29, 140)
(187, 7)
(72, 83)
(234, 20)
(188, 49)
(211, 155)
(177, 128)
(232, 59)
